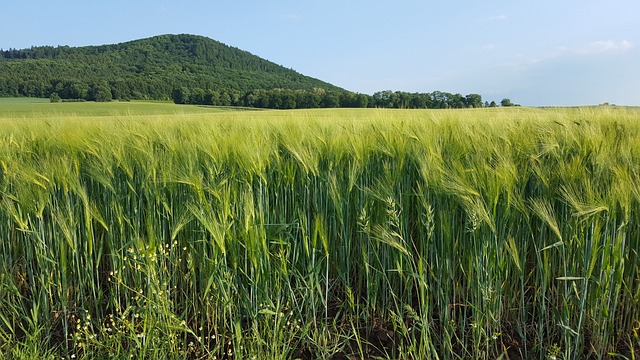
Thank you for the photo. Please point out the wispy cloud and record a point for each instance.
(595, 48)
(608, 46)
(598, 47)
(291, 17)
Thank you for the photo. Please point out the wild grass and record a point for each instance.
(336, 234)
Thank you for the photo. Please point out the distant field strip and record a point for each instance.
(159, 231)
(12, 108)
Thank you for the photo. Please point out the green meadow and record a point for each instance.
(30, 108)
(151, 230)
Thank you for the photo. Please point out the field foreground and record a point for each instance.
(325, 234)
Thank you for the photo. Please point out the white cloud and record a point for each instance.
(607, 46)
(291, 17)
(598, 47)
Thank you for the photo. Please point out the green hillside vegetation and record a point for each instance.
(143, 69)
(190, 69)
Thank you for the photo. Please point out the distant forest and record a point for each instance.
(188, 69)
(319, 98)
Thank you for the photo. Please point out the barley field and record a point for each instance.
(155, 231)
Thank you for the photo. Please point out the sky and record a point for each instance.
(536, 53)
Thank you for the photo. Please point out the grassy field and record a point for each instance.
(22, 101)
(31, 108)
(150, 230)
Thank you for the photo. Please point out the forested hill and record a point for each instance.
(153, 68)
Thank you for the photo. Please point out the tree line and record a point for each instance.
(320, 98)
(278, 98)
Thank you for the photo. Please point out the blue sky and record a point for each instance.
(562, 52)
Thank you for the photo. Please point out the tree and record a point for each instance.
(474, 100)
(181, 95)
(100, 92)
(362, 101)
(347, 100)
(120, 89)
(262, 98)
(197, 96)
(506, 102)
(400, 100)
(288, 99)
(211, 97)
(382, 98)
(275, 100)
(330, 99)
(309, 100)
(252, 99)
(54, 98)
(235, 97)
(439, 100)
(77, 90)
(457, 101)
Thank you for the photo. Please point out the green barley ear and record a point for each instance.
(544, 210)
(512, 249)
(583, 200)
(390, 238)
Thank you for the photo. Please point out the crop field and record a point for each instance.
(153, 231)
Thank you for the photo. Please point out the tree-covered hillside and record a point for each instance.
(189, 69)
(150, 68)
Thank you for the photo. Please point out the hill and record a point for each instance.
(152, 68)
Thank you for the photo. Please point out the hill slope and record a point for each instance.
(149, 68)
